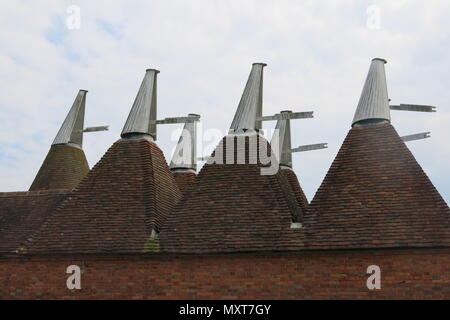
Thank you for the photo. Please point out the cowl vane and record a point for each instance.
(250, 106)
(141, 121)
(373, 106)
(71, 131)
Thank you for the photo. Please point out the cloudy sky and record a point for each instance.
(318, 54)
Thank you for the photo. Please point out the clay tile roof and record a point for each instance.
(233, 207)
(22, 213)
(128, 193)
(63, 168)
(296, 188)
(184, 179)
(376, 195)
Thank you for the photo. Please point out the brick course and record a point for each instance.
(405, 274)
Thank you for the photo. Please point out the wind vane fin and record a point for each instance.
(286, 116)
(413, 107)
(96, 129)
(281, 140)
(309, 147)
(416, 136)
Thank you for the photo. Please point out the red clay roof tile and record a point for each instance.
(184, 179)
(296, 188)
(63, 168)
(22, 213)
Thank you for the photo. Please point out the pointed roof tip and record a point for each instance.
(250, 105)
(184, 158)
(373, 105)
(71, 131)
(284, 141)
(141, 121)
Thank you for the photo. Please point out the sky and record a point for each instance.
(317, 54)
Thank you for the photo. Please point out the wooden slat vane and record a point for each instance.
(284, 135)
(414, 108)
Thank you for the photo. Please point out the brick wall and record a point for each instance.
(312, 275)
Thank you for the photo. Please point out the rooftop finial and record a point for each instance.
(250, 106)
(142, 118)
(71, 131)
(185, 155)
(373, 106)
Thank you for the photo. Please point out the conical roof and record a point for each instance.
(118, 207)
(238, 202)
(126, 196)
(233, 207)
(376, 195)
(65, 164)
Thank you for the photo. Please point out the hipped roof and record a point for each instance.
(126, 196)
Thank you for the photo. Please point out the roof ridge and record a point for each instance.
(34, 193)
(147, 171)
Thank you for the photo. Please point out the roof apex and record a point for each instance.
(373, 105)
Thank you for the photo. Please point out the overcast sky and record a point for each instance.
(318, 54)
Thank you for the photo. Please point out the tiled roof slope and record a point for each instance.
(22, 213)
(376, 195)
(128, 193)
(184, 179)
(233, 208)
(296, 188)
(63, 168)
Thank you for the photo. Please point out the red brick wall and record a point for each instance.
(312, 275)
